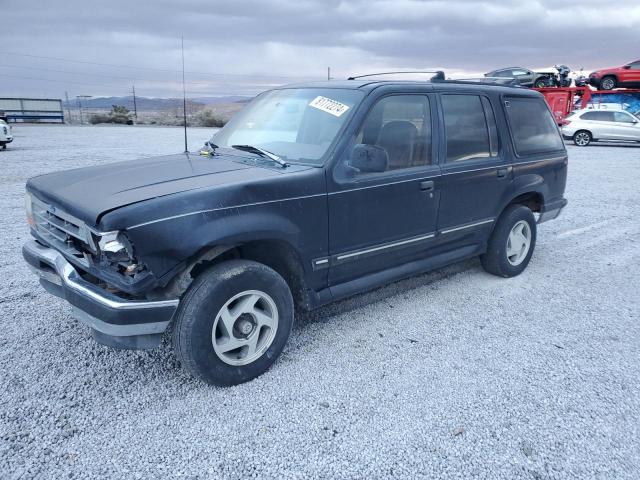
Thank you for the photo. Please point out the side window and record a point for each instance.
(605, 116)
(622, 117)
(598, 116)
(465, 128)
(401, 126)
(635, 66)
(589, 116)
(533, 128)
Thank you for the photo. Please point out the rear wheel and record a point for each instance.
(540, 82)
(582, 138)
(233, 322)
(608, 83)
(512, 242)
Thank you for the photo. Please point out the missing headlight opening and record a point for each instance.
(116, 250)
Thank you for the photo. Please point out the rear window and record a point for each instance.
(533, 128)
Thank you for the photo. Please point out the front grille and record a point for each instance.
(62, 231)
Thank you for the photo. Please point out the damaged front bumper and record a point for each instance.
(114, 321)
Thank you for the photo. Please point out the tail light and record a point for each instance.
(565, 122)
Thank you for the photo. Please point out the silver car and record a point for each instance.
(585, 126)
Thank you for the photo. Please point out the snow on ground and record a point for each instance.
(453, 374)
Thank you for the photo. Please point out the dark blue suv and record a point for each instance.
(310, 194)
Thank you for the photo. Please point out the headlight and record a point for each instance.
(28, 205)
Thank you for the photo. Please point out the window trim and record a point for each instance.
(504, 99)
(372, 177)
(445, 160)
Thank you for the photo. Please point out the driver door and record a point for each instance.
(386, 218)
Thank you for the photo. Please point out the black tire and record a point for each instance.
(193, 336)
(540, 82)
(4, 146)
(582, 138)
(608, 83)
(495, 260)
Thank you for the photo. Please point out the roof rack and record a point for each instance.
(497, 80)
(439, 74)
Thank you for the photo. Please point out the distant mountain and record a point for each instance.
(216, 100)
(148, 104)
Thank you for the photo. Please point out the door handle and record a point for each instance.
(502, 172)
(426, 186)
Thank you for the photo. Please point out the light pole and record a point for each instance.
(79, 98)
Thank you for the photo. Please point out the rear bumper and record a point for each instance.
(115, 321)
(552, 210)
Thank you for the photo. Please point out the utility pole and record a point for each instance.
(79, 98)
(66, 96)
(328, 74)
(184, 98)
(135, 106)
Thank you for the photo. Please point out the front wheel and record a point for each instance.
(233, 322)
(512, 242)
(582, 138)
(608, 83)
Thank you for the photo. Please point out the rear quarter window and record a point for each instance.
(532, 126)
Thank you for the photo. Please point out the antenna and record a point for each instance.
(439, 74)
(184, 98)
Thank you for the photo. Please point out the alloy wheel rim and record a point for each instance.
(607, 84)
(582, 139)
(518, 243)
(245, 327)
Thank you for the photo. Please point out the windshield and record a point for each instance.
(297, 124)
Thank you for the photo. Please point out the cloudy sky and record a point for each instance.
(242, 47)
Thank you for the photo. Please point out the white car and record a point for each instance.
(5, 134)
(585, 126)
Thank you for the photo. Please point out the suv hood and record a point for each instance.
(87, 193)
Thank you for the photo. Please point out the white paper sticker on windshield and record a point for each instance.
(330, 106)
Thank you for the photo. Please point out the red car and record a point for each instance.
(610, 78)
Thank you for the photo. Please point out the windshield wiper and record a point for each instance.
(262, 153)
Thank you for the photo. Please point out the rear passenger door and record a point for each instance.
(476, 176)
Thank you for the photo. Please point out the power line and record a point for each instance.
(174, 88)
(136, 67)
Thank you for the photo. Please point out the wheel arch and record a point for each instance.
(276, 253)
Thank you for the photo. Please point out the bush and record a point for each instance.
(209, 118)
(118, 114)
(99, 118)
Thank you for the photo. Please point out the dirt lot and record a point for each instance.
(453, 374)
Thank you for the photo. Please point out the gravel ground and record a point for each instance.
(453, 374)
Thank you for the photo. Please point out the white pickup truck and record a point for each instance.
(5, 134)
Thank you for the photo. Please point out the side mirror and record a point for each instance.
(626, 67)
(369, 158)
